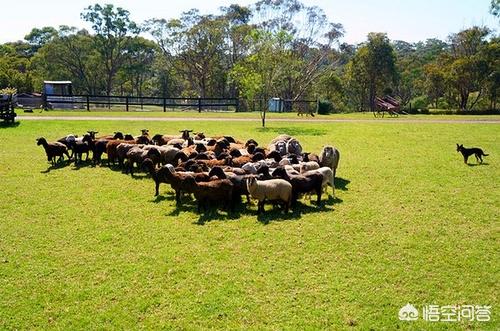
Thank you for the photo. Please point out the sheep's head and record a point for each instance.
(281, 147)
(280, 172)
(87, 138)
(211, 142)
(234, 152)
(251, 148)
(185, 134)
(222, 156)
(118, 135)
(143, 140)
(251, 142)
(156, 138)
(327, 152)
(92, 134)
(200, 148)
(128, 137)
(199, 136)
(251, 182)
(180, 156)
(41, 141)
(218, 172)
(144, 132)
(293, 146)
(274, 155)
(257, 157)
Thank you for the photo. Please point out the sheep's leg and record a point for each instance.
(178, 196)
(157, 188)
(318, 192)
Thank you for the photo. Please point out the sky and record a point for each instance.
(409, 20)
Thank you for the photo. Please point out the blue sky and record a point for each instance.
(410, 20)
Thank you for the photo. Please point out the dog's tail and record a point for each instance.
(485, 154)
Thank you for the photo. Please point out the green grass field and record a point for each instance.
(91, 248)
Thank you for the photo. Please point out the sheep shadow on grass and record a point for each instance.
(297, 212)
(341, 183)
(58, 165)
(477, 164)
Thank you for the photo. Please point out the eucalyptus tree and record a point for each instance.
(114, 31)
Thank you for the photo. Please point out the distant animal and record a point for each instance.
(466, 152)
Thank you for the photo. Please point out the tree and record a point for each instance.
(71, 56)
(469, 69)
(112, 28)
(39, 37)
(373, 68)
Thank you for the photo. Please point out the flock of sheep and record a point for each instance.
(215, 170)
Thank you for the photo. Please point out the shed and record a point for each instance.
(57, 87)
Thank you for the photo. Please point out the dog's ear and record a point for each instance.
(458, 146)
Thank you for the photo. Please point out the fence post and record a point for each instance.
(317, 106)
(88, 103)
(126, 103)
(164, 105)
(199, 105)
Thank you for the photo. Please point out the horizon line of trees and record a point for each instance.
(269, 49)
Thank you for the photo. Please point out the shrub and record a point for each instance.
(325, 107)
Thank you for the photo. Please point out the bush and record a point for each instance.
(325, 107)
(420, 102)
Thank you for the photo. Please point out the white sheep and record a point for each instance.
(328, 178)
(167, 153)
(330, 157)
(306, 166)
(271, 190)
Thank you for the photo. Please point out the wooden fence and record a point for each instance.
(85, 101)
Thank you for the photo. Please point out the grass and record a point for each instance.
(87, 248)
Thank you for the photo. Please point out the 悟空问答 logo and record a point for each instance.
(408, 313)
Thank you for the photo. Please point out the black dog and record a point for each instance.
(466, 152)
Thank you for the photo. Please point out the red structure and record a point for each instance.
(386, 104)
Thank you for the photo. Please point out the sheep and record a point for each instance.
(306, 166)
(239, 182)
(272, 190)
(122, 150)
(159, 175)
(213, 192)
(330, 157)
(81, 147)
(306, 157)
(99, 147)
(328, 178)
(279, 146)
(169, 154)
(111, 147)
(53, 149)
(293, 147)
(300, 183)
(281, 137)
(138, 155)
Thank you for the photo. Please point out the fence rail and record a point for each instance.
(127, 101)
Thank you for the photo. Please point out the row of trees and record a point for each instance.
(271, 48)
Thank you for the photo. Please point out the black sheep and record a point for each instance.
(53, 149)
(300, 183)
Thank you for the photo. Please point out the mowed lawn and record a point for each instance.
(92, 248)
